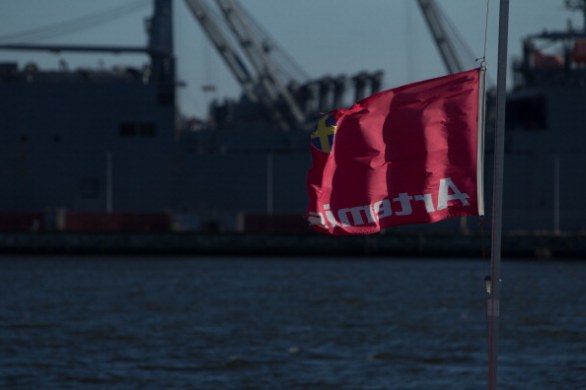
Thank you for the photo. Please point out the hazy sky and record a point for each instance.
(323, 36)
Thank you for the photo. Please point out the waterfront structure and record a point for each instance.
(107, 149)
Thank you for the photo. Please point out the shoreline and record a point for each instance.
(518, 245)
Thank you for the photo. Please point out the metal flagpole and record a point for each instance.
(493, 284)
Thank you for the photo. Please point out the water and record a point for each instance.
(286, 324)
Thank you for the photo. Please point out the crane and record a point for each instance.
(263, 86)
(268, 79)
(438, 30)
(230, 56)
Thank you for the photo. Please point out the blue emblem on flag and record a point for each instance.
(323, 136)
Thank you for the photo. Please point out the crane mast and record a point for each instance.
(236, 65)
(262, 85)
(160, 43)
(286, 102)
(268, 80)
(448, 52)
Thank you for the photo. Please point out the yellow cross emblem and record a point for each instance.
(323, 136)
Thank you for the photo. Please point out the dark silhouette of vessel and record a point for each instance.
(106, 150)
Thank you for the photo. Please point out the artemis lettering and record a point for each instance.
(401, 205)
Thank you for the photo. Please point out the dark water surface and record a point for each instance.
(286, 324)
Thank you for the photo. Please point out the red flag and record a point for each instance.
(402, 156)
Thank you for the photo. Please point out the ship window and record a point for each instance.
(166, 98)
(127, 129)
(527, 113)
(89, 188)
(147, 129)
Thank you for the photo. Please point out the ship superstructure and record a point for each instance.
(544, 160)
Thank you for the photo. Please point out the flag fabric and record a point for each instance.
(402, 156)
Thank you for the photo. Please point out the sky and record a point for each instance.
(324, 37)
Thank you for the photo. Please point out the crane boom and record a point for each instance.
(268, 81)
(238, 68)
(445, 46)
